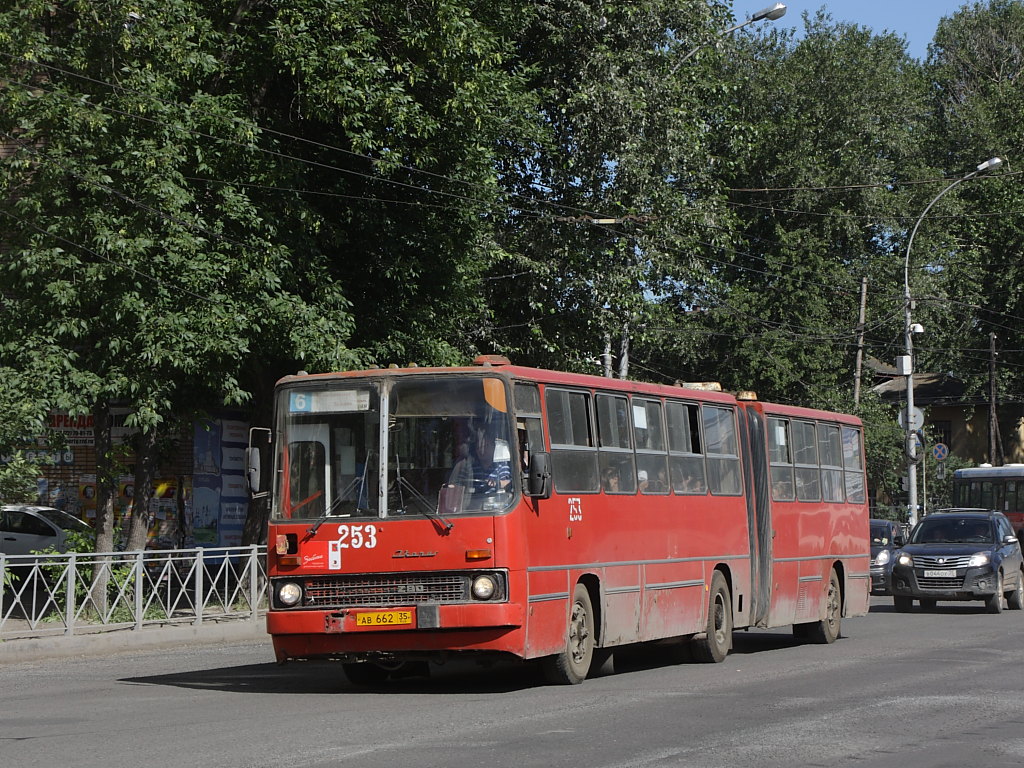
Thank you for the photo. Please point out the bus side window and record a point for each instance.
(573, 448)
(853, 465)
(686, 456)
(618, 474)
(722, 450)
(780, 456)
(805, 456)
(652, 469)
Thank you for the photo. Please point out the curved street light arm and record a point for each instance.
(771, 13)
(908, 340)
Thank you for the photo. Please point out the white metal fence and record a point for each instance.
(78, 593)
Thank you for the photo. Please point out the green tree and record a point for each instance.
(968, 265)
(603, 204)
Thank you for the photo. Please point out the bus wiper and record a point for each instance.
(355, 482)
(425, 507)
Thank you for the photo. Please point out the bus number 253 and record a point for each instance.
(357, 536)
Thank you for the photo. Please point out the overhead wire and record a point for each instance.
(586, 214)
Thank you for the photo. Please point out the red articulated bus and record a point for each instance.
(425, 513)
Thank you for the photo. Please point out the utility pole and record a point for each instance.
(995, 443)
(860, 340)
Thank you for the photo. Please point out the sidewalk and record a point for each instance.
(106, 641)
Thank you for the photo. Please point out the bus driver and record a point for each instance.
(483, 467)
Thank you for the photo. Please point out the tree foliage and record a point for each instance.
(200, 196)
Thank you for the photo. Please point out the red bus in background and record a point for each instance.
(424, 513)
(988, 487)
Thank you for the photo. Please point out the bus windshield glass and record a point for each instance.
(445, 448)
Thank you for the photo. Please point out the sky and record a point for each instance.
(915, 20)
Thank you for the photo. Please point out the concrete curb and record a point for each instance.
(210, 632)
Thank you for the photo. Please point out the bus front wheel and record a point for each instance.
(571, 666)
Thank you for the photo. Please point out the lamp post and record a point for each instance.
(905, 364)
(771, 13)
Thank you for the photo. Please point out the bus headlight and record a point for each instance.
(289, 593)
(484, 587)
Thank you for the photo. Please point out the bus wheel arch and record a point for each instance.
(828, 629)
(571, 665)
(714, 643)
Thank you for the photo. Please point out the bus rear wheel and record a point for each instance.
(826, 631)
(712, 645)
(571, 666)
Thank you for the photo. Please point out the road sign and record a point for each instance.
(916, 418)
(940, 451)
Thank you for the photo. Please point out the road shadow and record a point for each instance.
(325, 677)
(455, 677)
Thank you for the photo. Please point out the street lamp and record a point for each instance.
(771, 13)
(905, 364)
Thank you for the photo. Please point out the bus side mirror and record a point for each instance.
(253, 462)
(538, 477)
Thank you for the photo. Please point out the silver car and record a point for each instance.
(25, 529)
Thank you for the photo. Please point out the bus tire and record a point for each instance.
(1015, 597)
(572, 665)
(827, 630)
(712, 645)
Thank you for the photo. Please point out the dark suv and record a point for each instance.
(886, 538)
(960, 554)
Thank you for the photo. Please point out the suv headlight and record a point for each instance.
(883, 557)
(904, 559)
(978, 559)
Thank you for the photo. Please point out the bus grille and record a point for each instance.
(386, 589)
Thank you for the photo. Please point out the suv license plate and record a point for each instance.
(384, 619)
(947, 574)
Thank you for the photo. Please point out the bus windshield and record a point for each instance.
(444, 449)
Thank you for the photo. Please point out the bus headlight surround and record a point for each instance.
(289, 593)
(484, 586)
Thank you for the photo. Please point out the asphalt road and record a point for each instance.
(923, 689)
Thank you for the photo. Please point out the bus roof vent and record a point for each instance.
(707, 386)
(489, 360)
(746, 394)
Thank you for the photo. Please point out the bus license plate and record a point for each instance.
(947, 574)
(384, 619)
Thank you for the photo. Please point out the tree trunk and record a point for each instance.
(145, 475)
(106, 491)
